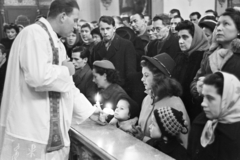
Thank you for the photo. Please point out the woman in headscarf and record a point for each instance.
(193, 43)
(224, 53)
(72, 40)
(162, 91)
(215, 133)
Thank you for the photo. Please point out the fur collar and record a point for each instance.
(235, 46)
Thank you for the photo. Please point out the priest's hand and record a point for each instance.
(69, 65)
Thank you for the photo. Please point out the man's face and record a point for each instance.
(211, 101)
(173, 23)
(194, 19)
(106, 30)
(68, 22)
(160, 30)
(137, 23)
(150, 33)
(78, 62)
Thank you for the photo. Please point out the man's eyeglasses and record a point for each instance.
(158, 29)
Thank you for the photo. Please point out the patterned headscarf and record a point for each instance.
(230, 110)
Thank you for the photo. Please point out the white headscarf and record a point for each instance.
(230, 108)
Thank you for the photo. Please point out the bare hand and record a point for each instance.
(70, 66)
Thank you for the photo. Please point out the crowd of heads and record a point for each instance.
(156, 71)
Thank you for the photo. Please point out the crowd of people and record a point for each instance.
(170, 82)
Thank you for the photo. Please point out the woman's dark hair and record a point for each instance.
(234, 15)
(112, 75)
(59, 6)
(107, 19)
(186, 24)
(11, 26)
(84, 52)
(163, 85)
(215, 80)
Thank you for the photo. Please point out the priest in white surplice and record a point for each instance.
(40, 99)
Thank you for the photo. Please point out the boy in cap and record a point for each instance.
(167, 123)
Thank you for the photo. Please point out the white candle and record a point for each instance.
(98, 100)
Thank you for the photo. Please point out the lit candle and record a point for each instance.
(98, 100)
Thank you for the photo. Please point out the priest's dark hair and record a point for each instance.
(60, 6)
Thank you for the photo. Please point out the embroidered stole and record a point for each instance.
(55, 141)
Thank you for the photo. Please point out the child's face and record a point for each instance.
(122, 110)
(154, 129)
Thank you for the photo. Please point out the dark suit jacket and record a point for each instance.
(121, 53)
(169, 45)
(83, 81)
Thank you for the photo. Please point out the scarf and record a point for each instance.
(199, 42)
(218, 58)
(229, 110)
(108, 43)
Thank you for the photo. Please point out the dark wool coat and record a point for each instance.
(226, 145)
(169, 46)
(121, 53)
(172, 148)
(7, 44)
(184, 72)
(83, 80)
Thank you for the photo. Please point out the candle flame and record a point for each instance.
(97, 97)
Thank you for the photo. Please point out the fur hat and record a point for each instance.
(170, 121)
